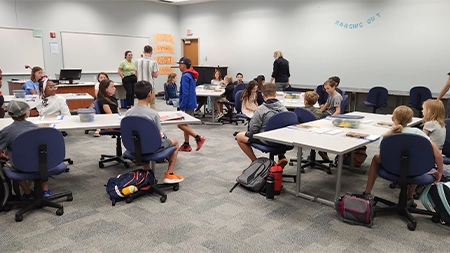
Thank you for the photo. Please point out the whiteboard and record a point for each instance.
(18, 47)
(94, 52)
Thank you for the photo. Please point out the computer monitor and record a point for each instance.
(70, 75)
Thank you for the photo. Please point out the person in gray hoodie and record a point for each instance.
(258, 123)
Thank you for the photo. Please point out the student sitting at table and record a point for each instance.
(49, 103)
(226, 96)
(217, 78)
(239, 77)
(31, 86)
(248, 98)
(337, 81)
(262, 114)
(19, 110)
(106, 100)
(433, 121)
(143, 92)
(333, 104)
(401, 117)
(310, 100)
(261, 80)
(172, 89)
(100, 76)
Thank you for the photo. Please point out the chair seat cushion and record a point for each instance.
(152, 157)
(446, 160)
(271, 149)
(115, 132)
(367, 103)
(19, 176)
(423, 179)
(242, 116)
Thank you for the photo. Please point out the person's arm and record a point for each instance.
(255, 124)
(155, 70)
(120, 71)
(184, 93)
(274, 72)
(428, 128)
(107, 109)
(247, 105)
(324, 107)
(32, 91)
(338, 110)
(95, 93)
(64, 108)
(439, 163)
(444, 89)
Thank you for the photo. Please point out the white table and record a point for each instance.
(292, 103)
(101, 121)
(67, 96)
(202, 92)
(338, 144)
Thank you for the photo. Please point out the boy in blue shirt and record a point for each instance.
(143, 92)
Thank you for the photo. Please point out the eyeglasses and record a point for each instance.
(52, 87)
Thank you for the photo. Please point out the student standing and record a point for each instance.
(147, 70)
(128, 74)
(2, 99)
(280, 71)
(188, 102)
(442, 93)
(31, 86)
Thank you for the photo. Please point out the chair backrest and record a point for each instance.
(417, 149)
(237, 88)
(304, 115)
(280, 120)
(446, 148)
(259, 98)
(378, 95)
(323, 95)
(344, 103)
(150, 137)
(166, 94)
(419, 94)
(238, 101)
(28, 143)
(96, 107)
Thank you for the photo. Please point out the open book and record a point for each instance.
(362, 136)
(174, 116)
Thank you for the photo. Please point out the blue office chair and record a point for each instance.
(279, 120)
(303, 116)
(377, 98)
(323, 95)
(406, 159)
(344, 103)
(45, 150)
(142, 139)
(114, 134)
(418, 95)
(230, 117)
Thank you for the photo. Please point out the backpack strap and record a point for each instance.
(424, 198)
(440, 187)
(235, 185)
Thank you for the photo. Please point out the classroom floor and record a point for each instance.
(203, 216)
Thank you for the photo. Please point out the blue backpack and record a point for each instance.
(141, 179)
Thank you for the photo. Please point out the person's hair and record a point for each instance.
(126, 52)
(331, 83)
(170, 78)
(102, 73)
(148, 49)
(278, 54)
(435, 111)
(220, 75)
(260, 80)
(1, 73)
(269, 90)
(248, 90)
(403, 115)
(104, 84)
(33, 73)
(228, 78)
(335, 79)
(311, 97)
(239, 73)
(17, 118)
(141, 89)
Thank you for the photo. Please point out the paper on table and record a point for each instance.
(55, 121)
(305, 128)
(368, 137)
(367, 121)
(335, 131)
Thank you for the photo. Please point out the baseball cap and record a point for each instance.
(18, 107)
(185, 60)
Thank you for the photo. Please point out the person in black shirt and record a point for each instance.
(442, 93)
(280, 72)
(107, 103)
(227, 96)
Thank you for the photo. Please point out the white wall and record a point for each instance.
(407, 45)
(128, 18)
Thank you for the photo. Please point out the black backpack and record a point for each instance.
(437, 197)
(254, 177)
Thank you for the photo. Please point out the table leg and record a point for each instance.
(299, 168)
(213, 116)
(339, 176)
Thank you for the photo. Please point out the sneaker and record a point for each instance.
(199, 113)
(200, 142)
(172, 178)
(410, 202)
(185, 148)
(324, 156)
(96, 134)
(28, 196)
(282, 162)
(219, 115)
(47, 193)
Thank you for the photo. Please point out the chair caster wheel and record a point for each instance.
(5, 209)
(101, 165)
(436, 218)
(163, 199)
(19, 217)
(127, 165)
(60, 211)
(69, 198)
(176, 187)
(70, 161)
(302, 171)
(67, 170)
(291, 164)
(392, 185)
(329, 172)
(86, 131)
(128, 200)
(411, 227)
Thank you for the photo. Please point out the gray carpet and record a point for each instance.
(203, 216)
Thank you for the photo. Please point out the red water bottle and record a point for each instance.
(277, 173)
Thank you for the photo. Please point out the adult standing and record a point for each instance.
(147, 70)
(2, 99)
(280, 71)
(442, 93)
(128, 74)
(31, 86)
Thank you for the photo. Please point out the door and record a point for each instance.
(190, 49)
